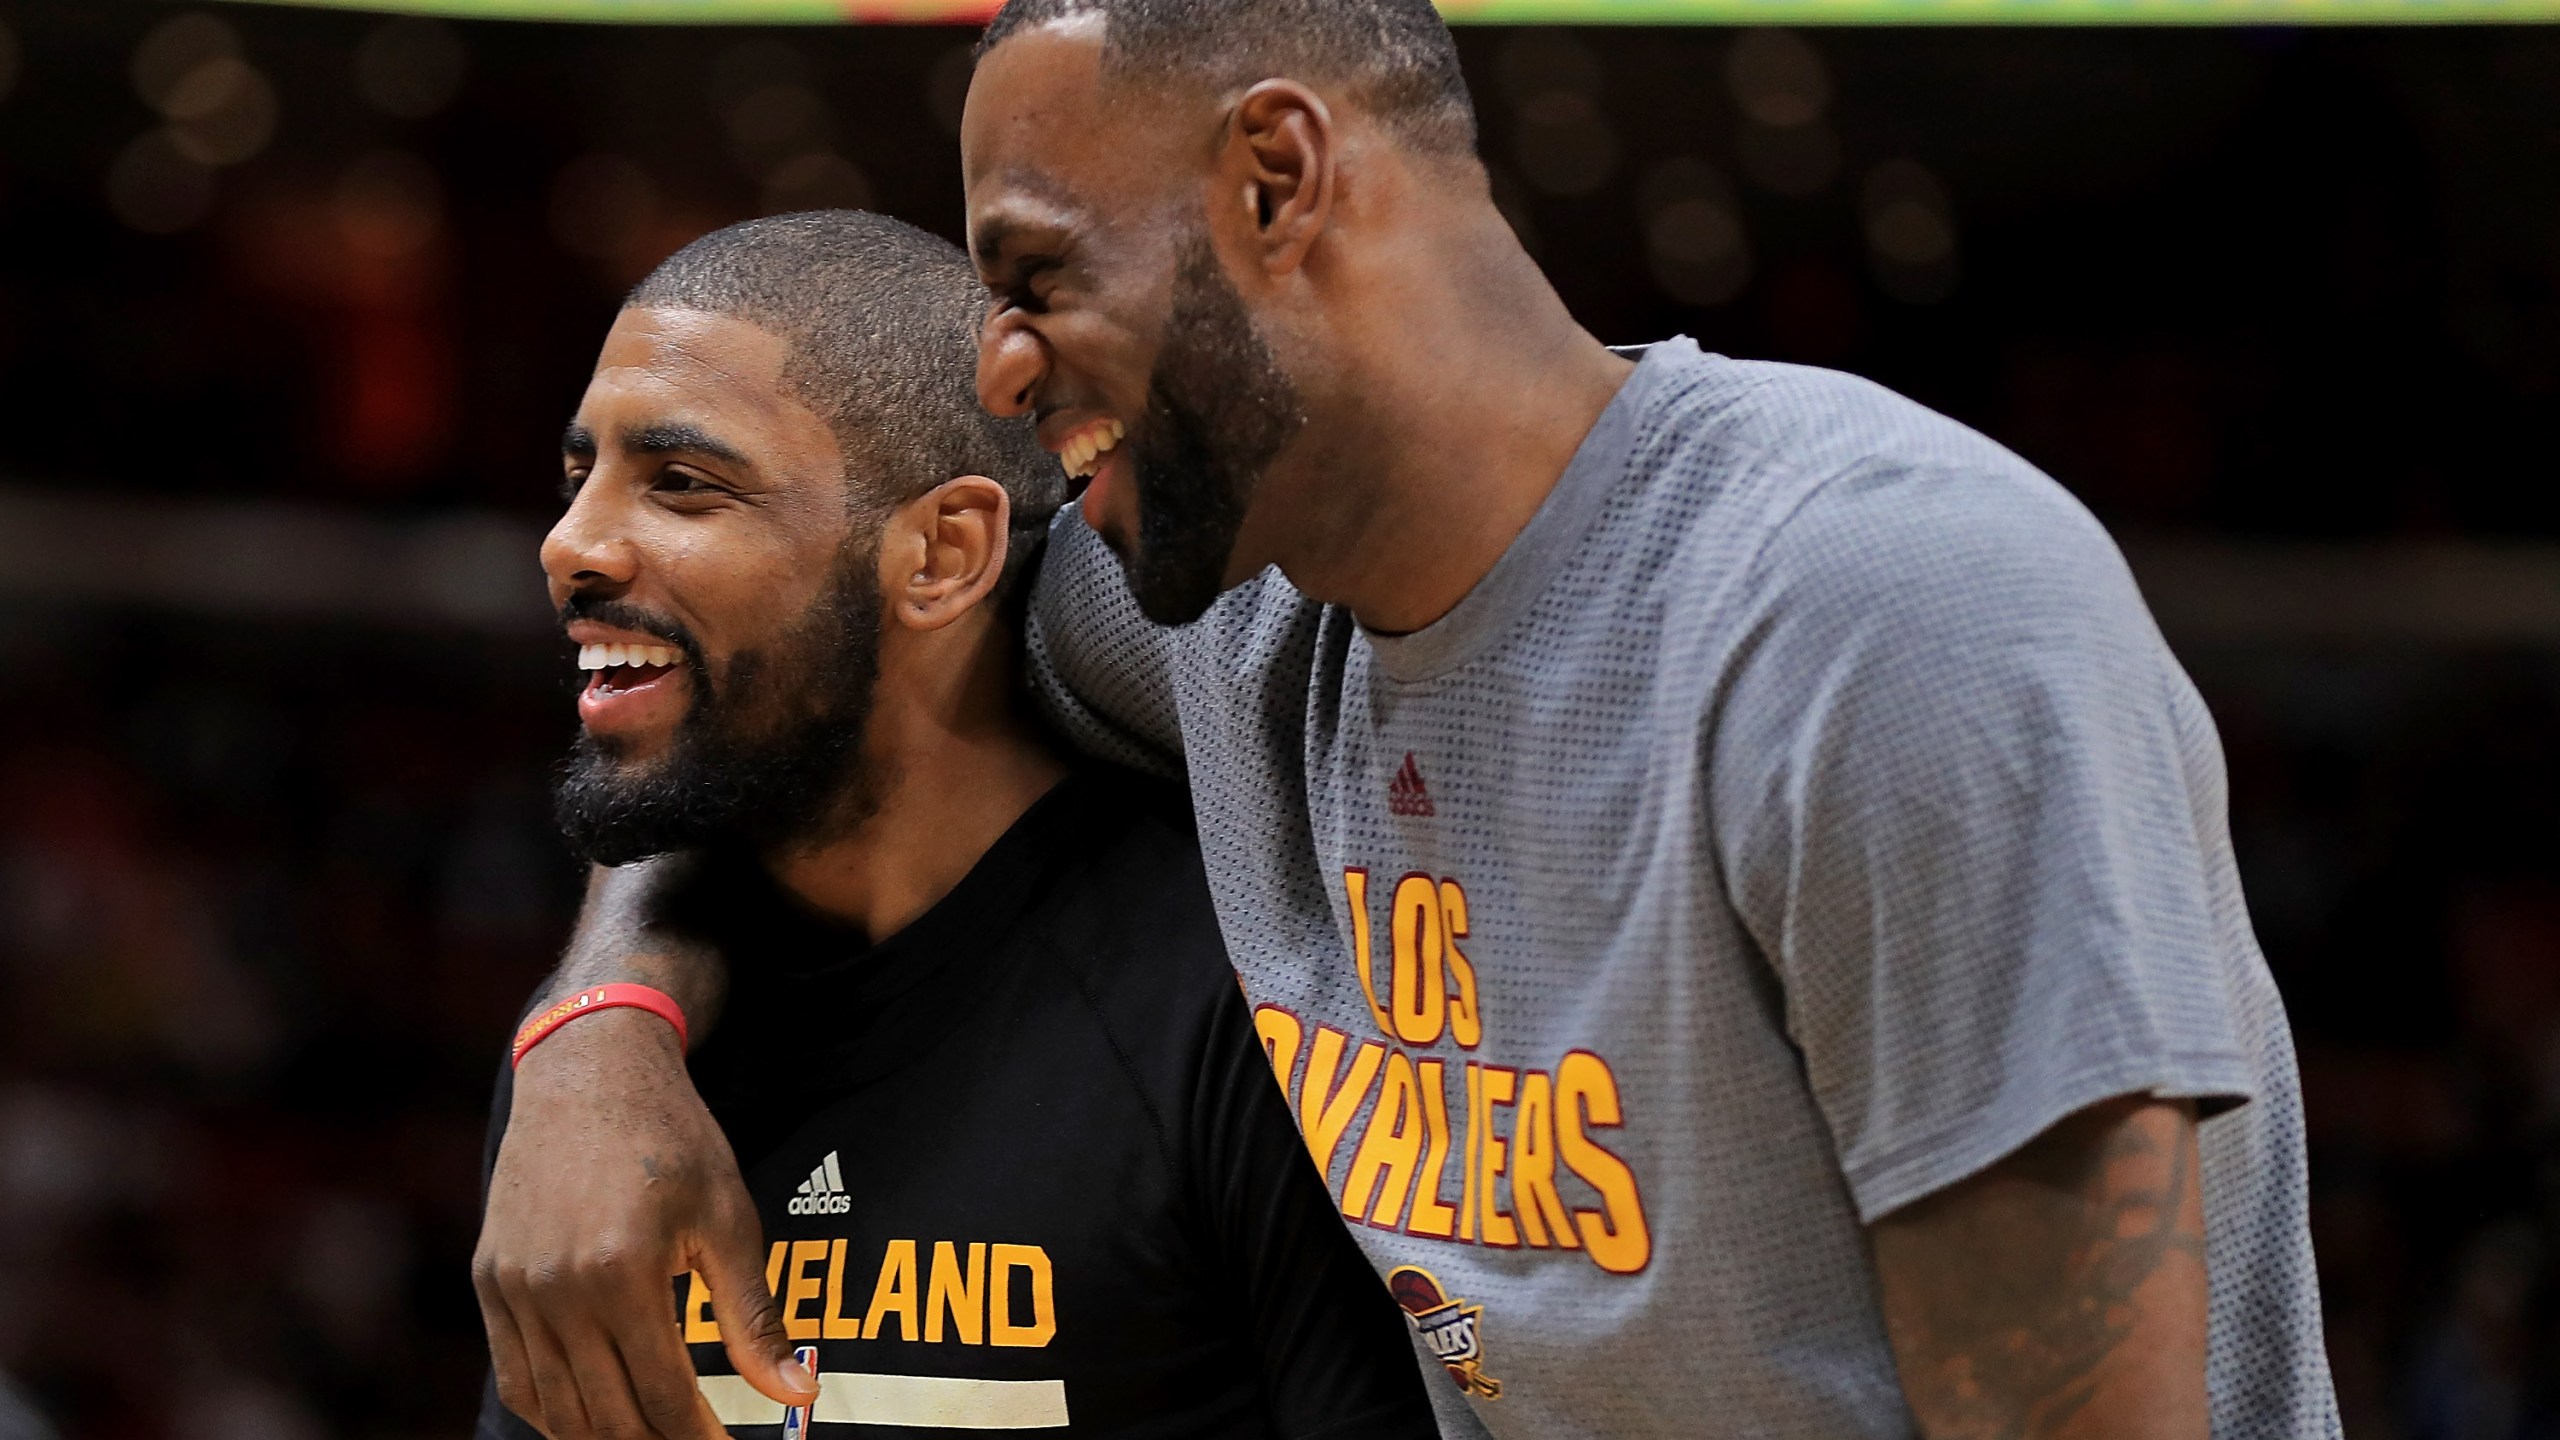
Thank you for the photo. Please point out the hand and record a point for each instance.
(613, 1179)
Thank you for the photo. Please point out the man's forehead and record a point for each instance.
(706, 373)
(696, 345)
(1052, 61)
(1034, 105)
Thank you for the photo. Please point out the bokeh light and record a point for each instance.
(174, 49)
(1564, 145)
(221, 112)
(1783, 90)
(410, 67)
(1911, 231)
(602, 205)
(1777, 79)
(1694, 240)
(389, 205)
(1562, 142)
(158, 188)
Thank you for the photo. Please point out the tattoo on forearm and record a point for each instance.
(2012, 1300)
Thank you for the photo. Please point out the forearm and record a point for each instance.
(2060, 1293)
(613, 1177)
(624, 937)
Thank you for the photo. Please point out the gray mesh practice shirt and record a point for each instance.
(1802, 815)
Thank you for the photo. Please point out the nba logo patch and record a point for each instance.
(795, 1421)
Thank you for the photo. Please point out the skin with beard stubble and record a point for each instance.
(1438, 387)
(764, 755)
(1219, 408)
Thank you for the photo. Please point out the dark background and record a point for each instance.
(293, 305)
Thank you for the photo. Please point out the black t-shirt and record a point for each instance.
(1023, 1164)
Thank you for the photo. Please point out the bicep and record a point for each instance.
(2061, 1292)
(1956, 807)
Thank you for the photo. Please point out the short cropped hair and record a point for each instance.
(881, 320)
(1395, 56)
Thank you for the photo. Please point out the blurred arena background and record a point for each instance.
(294, 303)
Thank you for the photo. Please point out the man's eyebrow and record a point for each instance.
(578, 442)
(672, 437)
(989, 241)
(1049, 211)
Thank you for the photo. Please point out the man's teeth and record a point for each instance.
(606, 657)
(1084, 449)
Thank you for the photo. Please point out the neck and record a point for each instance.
(1468, 398)
(954, 763)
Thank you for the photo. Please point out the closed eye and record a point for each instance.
(1028, 287)
(675, 480)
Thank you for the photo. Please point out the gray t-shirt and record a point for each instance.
(1802, 815)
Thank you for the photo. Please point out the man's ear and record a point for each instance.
(1280, 164)
(943, 552)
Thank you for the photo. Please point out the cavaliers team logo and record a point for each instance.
(1450, 1329)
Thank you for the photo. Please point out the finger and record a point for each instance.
(561, 1411)
(729, 1254)
(581, 1307)
(605, 1389)
(661, 1373)
(509, 1368)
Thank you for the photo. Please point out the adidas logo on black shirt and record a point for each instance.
(823, 1192)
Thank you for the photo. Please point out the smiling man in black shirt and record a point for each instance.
(983, 1065)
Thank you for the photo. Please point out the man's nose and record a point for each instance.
(581, 553)
(1012, 358)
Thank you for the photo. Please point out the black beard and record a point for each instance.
(1219, 408)
(766, 757)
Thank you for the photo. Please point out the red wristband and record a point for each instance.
(588, 1002)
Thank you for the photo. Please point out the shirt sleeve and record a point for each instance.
(1102, 671)
(1970, 810)
(1336, 1358)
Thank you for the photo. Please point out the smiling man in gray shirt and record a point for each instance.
(1800, 817)
(1731, 881)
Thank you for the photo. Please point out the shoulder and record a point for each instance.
(1833, 495)
(1796, 421)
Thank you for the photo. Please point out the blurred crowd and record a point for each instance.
(271, 888)
(267, 901)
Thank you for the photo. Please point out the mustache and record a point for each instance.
(624, 615)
